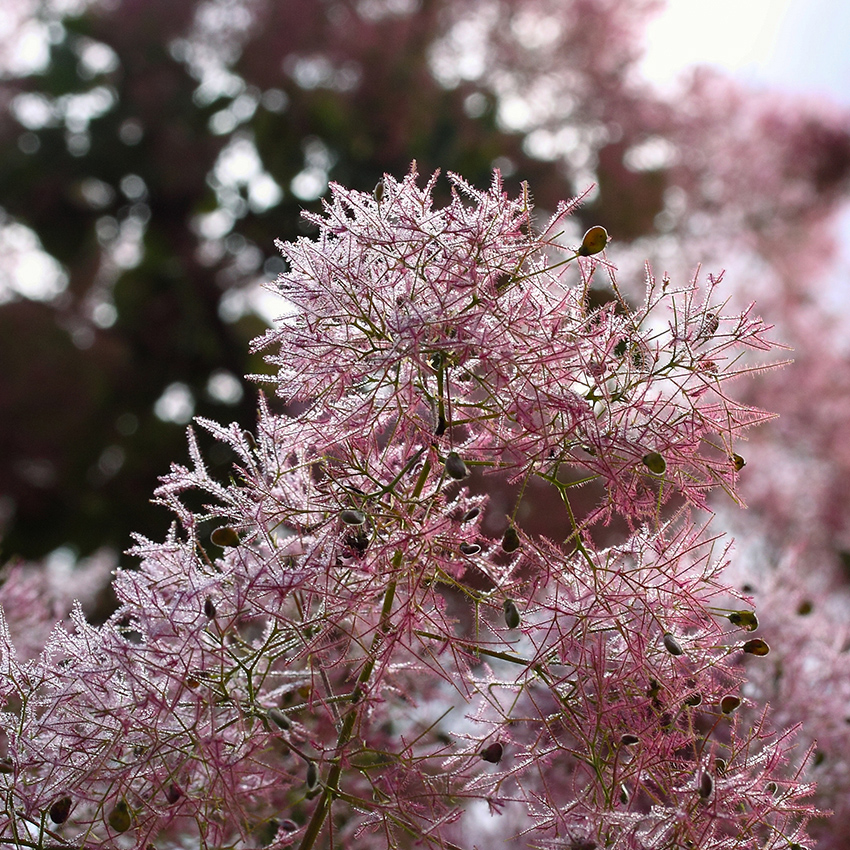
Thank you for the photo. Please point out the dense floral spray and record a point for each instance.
(335, 649)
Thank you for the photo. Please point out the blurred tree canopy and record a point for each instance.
(159, 148)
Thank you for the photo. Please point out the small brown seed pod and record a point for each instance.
(120, 818)
(512, 616)
(745, 619)
(729, 703)
(593, 241)
(757, 647)
(710, 324)
(510, 540)
(312, 780)
(493, 752)
(672, 645)
(455, 467)
(60, 810)
(225, 536)
(655, 463)
(352, 517)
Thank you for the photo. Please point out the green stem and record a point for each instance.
(331, 789)
(441, 405)
(345, 733)
(474, 647)
(576, 535)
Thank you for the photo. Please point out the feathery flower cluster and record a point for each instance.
(329, 650)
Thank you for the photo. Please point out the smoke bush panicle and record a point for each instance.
(349, 659)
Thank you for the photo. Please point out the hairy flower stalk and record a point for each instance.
(349, 645)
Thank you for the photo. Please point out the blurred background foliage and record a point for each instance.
(153, 150)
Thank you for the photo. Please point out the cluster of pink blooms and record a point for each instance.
(330, 649)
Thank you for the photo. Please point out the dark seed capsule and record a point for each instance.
(493, 752)
(693, 700)
(209, 608)
(119, 818)
(225, 536)
(378, 191)
(738, 462)
(729, 703)
(60, 810)
(173, 794)
(805, 608)
(771, 788)
(470, 548)
(455, 467)
(6, 765)
(654, 463)
(512, 617)
(279, 718)
(745, 619)
(672, 645)
(710, 324)
(720, 766)
(470, 514)
(628, 740)
(510, 540)
(358, 541)
(352, 517)
(706, 785)
(593, 242)
(288, 825)
(312, 775)
(624, 795)
(757, 647)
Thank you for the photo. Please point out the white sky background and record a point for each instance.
(801, 46)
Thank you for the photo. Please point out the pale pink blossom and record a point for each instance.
(329, 649)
